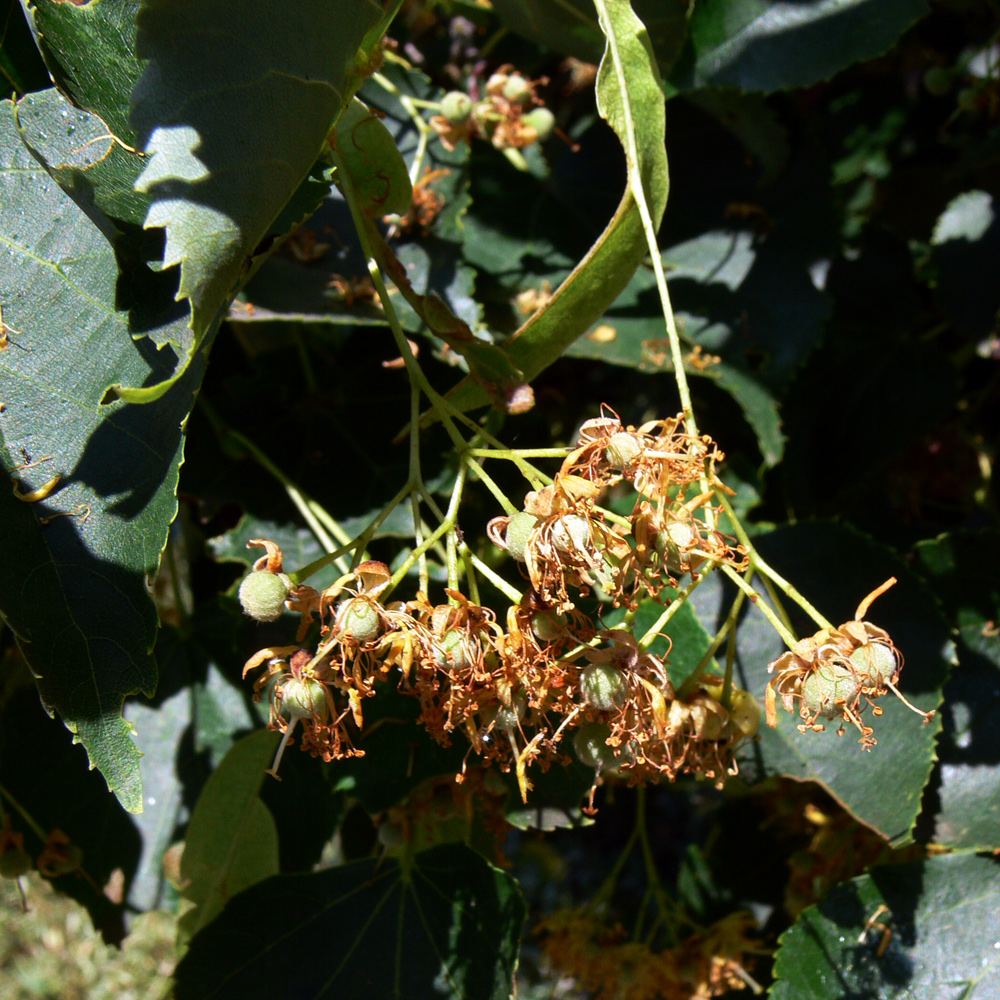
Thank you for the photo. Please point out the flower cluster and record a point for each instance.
(510, 115)
(604, 963)
(837, 673)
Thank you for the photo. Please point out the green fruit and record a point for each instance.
(304, 699)
(359, 620)
(875, 662)
(516, 89)
(456, 107)
(518, 531)
(14, 863)
(602, 686)
(591, 746)
(674, 542)
(542, 121)
(548, 626)
(451, 651)
(263, 594)
(827, 689)
(622, 449)
(937, 80)
(508, 718)
(571, 533)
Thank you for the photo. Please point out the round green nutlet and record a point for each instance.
(938, 80)
(875, 661)
(622, 449)
(14, 863)
(359, 620)
(450, 650)
(828, 689)
(542, 121)
(518, 531)
(263, 594)
(591, 746)
(304, 699)
(674, 542)
(602, 686)
(517, 89)
(456, 107)
(548, 626)
(508, 718)
(571, 533)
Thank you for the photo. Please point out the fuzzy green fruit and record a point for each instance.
(456, 107)
(451, 650)
(622, 448)
(591, 746)
(571, 533)
(828, 688)
(263, 594)
(876, 662)
(518, 531)
(508, 718)
(359, 620)
(548, 626)
(602, 686)
(516, 89)
(304, 699)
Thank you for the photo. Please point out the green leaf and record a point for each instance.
(769, 45)
(90, 51)
(835, 568)
(939, 933)
(232, 113)
(966, 244)
(448, 926)
(631, 99)
(966, 807)
(371, 156)
(74, 583)
(231, 842)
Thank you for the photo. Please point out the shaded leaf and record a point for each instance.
(773, 45)
(835, 567)
(231, 842)
(446, 926)
(937, 936)
(50, 779)
(966, 244)
(217, 178)
(74, 586)
(965, 807)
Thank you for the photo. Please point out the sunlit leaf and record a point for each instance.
(78, 556)
(925, 928)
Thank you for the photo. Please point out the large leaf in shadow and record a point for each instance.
(49, 778)
(630, 98)
(446, 926)
(775, 44)
(77, 558)
(964, 808)
(966, 244)
(231, 842)
(835, 568)
(232, 113)
(921, 929)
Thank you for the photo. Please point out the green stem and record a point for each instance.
(687, 688)
(512, 593)
(673, 607)
(787, 637)
(770, 575)
(24, 814)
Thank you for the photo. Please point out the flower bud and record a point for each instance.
(456, 107)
